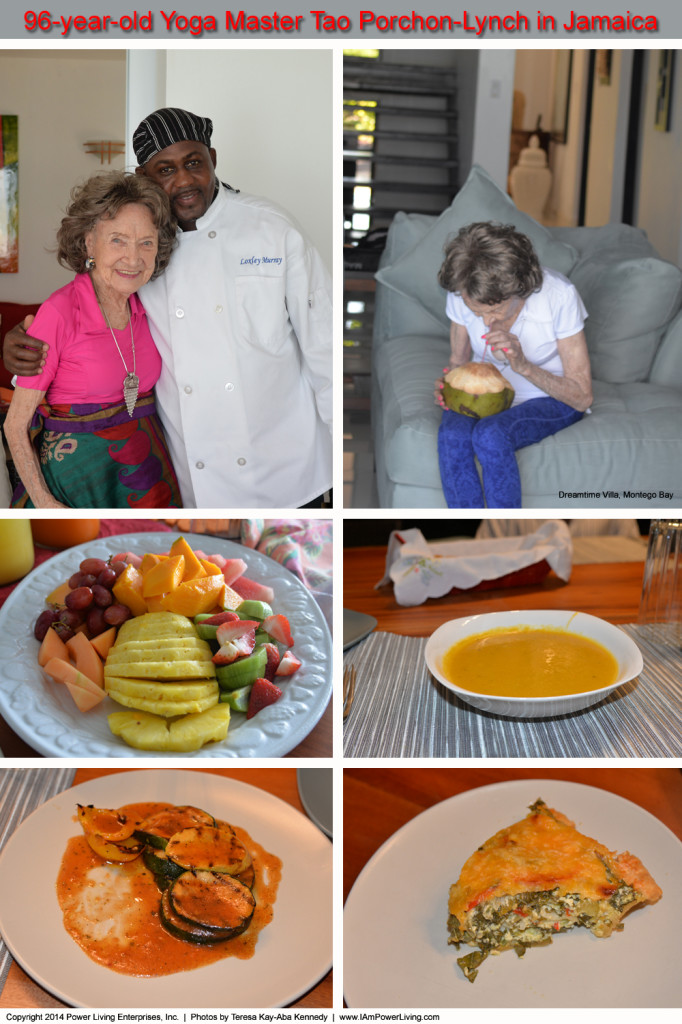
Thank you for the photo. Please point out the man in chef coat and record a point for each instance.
(242, 319)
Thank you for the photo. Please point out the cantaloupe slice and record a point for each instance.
(86, 657)
(58, 594)
(52, 647)
(86, 693)
(104, 642)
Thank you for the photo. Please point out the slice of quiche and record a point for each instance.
(539, 877)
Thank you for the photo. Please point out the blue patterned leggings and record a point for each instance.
(493, 441)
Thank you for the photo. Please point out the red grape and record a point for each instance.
(118, 567)
(79, 599)
(81, 579)
(95, 621)
(107, 578)
(63, 631)
(93, 565)
(43, 623)
(116, 614)
(101, 596)
(70, 617)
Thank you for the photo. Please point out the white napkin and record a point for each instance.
(419, 569)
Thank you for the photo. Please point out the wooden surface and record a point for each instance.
(611, 591)
(20, 991)
(317, 743)
(379, 801)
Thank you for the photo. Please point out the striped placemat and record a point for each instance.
(21, 791)
(401, 711)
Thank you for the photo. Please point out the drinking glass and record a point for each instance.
(660, 608)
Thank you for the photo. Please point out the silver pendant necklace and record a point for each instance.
(131, 382)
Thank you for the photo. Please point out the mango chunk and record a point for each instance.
(193, 566)
(164, 576)
(128, 590)
(195, 596)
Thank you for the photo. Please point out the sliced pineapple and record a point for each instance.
(156, 624)
(183, 735)
(147, 650)
(150, 690)
(175, 670)
(165, 708)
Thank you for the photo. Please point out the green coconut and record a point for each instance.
(477, 389)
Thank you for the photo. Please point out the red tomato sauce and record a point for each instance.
(112, 910)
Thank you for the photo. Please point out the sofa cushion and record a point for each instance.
(480, 199)
(630, 303)
(629, 241)
(667, 366)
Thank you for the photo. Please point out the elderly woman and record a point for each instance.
(84, 433)
(528, 321)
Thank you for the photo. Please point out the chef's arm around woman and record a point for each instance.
(24, 403)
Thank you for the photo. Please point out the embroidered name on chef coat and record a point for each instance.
(256, 261)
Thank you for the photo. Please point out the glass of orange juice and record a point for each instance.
(64, 533)
(16, 549)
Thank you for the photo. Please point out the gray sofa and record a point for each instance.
(627, 453)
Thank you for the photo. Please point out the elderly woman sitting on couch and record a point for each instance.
(507, 310)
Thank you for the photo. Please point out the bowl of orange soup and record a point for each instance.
(532, 664)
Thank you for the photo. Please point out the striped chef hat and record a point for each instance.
(167, 126)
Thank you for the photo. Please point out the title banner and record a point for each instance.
(593, 20)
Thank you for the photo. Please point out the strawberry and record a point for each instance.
(277, 626)
(237, 644)
(288, 664)
(252, 591)
(263, 693)
(235, 628)
(272, 662)
(219, 618)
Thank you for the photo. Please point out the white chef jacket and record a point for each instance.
(242, 319)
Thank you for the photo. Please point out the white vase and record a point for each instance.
(530, 181)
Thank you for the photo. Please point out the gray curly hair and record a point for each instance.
(490, 263)
(102, 197)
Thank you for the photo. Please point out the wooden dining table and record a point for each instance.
(21, 991)
(378, 801)
(610, 590)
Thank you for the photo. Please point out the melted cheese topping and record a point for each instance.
(112, 910)
(536, 854)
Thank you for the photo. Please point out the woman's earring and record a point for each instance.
(90, 263)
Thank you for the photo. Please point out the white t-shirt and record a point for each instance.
(555, 312)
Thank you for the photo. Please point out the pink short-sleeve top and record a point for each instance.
(83, 365)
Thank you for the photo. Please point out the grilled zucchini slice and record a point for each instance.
(213, 901)
(157, 830)
(208, 848)
(187, 930)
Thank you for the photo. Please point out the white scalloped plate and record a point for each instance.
(395, 949)
(292, 953)
(44, 715)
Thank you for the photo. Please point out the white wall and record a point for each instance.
(493, 118)
(273, 120)
(659, 200)
(63, 98)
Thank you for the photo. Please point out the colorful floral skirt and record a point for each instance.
(97, 456)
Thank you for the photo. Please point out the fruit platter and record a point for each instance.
(153, 644)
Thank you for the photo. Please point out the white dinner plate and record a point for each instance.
(395, 934)
(43, 713)
(293, 952)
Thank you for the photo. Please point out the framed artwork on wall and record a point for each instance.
(9, 194)
(664, 90)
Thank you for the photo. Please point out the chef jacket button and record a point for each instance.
(199, 465)
(211, 234)
(241, 462)
(219, 309)
(188, 390)
(179, 313)
(229, 387)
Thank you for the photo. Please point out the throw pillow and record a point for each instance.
(480, 199)
(630, 303)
